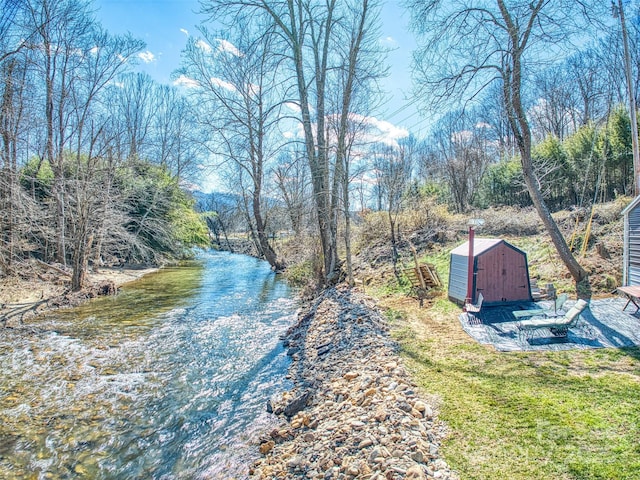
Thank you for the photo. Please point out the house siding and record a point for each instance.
(632, 246)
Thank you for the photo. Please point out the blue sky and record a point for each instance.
(165, 25)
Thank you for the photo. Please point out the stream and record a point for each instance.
(167, 380)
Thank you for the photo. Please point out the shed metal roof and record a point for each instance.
(631, 205)
(479, 245)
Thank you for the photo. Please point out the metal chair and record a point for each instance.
(558, 326)
(475, 307)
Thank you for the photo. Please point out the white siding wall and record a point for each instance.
(458, 274)
(633, 247)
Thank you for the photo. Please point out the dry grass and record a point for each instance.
(440, 232)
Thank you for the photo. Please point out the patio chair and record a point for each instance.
(557, 304)
(558, 326)
(547, 312)
(474, 307)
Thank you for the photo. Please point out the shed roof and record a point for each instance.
(479, 245)
(631, 205)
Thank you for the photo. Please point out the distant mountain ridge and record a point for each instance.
(215, 200)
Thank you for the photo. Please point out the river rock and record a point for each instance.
(297, 404)
(353, 412)
(266, 447)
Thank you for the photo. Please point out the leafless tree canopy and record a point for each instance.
(325, 52)
(80, 142)
(468, 46)
(281, 108)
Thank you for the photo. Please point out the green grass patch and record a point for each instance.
(300, 274)
(390, 287)
(441, 259)
(561, 415)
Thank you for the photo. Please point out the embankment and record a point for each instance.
(354, 411)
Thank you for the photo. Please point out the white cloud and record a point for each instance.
(370, 130)
(184, 81)
(389, 42)
(218, 82)
(380, 130)
(185, 31)
(462, 136)
(204, 46)
(190, 186)
(146, 57)
(228, 47)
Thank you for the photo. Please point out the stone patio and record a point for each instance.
(602, 325)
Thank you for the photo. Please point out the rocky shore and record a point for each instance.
(354, 411)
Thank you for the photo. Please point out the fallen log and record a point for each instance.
(53, 267)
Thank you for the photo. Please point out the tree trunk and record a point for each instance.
(512, 88)
(81, 257)
(250, 224)
(394, 245)
(211, 223)
(268, 252)
(347, 230)
(316, 149)
(224, 232)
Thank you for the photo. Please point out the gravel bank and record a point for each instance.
(354, 411)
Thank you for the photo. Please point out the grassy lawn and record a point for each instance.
(556, 415)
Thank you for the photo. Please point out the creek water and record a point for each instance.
(167, 380)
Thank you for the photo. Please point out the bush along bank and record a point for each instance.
(354, 411)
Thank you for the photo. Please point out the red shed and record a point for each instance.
(500, 272)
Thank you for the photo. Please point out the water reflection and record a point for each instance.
(166, 380)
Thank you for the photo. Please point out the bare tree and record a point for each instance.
(460, 143)
(352, 93)
(618, 11)
(13, 105)
(292, 180)
(20, 127)
(309, 34)
(595, 94)
(175, 133)
(394, 166)
(492, 111)
(103, 57)
(501, 40)
(219, 214)
(554, 111)
(61, 26)
(15, 33)
(236, 91)
(65, 190)
(137, 103)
